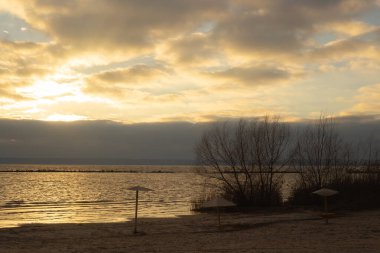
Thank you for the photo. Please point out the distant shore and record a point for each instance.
(84, 171)
(292, 232)
(95, 168)
(96, 161)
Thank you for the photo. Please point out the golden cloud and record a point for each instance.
(367, 100)
(350, 28)
(205, 46)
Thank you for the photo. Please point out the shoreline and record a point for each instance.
(299, 231)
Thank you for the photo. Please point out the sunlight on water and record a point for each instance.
(83, 197)
(71, 197)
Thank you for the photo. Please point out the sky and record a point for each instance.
(179, 64)
(139, 61)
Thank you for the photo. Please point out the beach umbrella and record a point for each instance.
(137, 189)
(217, 203)
(325, 193)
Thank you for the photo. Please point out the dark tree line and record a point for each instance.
(245, 158)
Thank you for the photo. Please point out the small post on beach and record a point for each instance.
(137, 189)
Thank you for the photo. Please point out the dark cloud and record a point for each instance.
(359, 119)
(357, 130)
(116, 82)
(361, 130)
(197, 48)
(127, 24)
(98, 139)
(255, 75)
(282, 27)
(130, 75)
(277, 27)
(262, 34)
(112, 141)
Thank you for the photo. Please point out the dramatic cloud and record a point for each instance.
(195, 60)
(128, 25)
(282, 27)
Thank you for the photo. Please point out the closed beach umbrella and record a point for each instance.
(216, 203)
(325, 192)
(137, 189)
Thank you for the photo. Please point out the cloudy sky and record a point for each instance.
(142, 79)
(135, 61)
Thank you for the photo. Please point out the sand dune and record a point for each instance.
(302, 231)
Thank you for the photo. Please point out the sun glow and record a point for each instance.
(65, 117)
(50, 87)
(47, 95)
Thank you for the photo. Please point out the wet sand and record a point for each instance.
(303, 231)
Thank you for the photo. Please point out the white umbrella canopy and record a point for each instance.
(218, 202)
(325, 192)
(137, 189)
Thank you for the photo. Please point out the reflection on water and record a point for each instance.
(92, 197)
(77, 197)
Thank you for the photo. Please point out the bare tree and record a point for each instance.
(245, 158)
(324, 159)
(370, 157)
(321, 156)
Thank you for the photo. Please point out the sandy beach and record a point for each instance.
(302, 231)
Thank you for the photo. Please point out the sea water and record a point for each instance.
(93, 194)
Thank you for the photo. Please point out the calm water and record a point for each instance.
(81, 197)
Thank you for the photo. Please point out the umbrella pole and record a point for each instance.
(217, 209)
(326, 210)
(137, 201)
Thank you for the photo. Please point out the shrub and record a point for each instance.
(356, 191)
